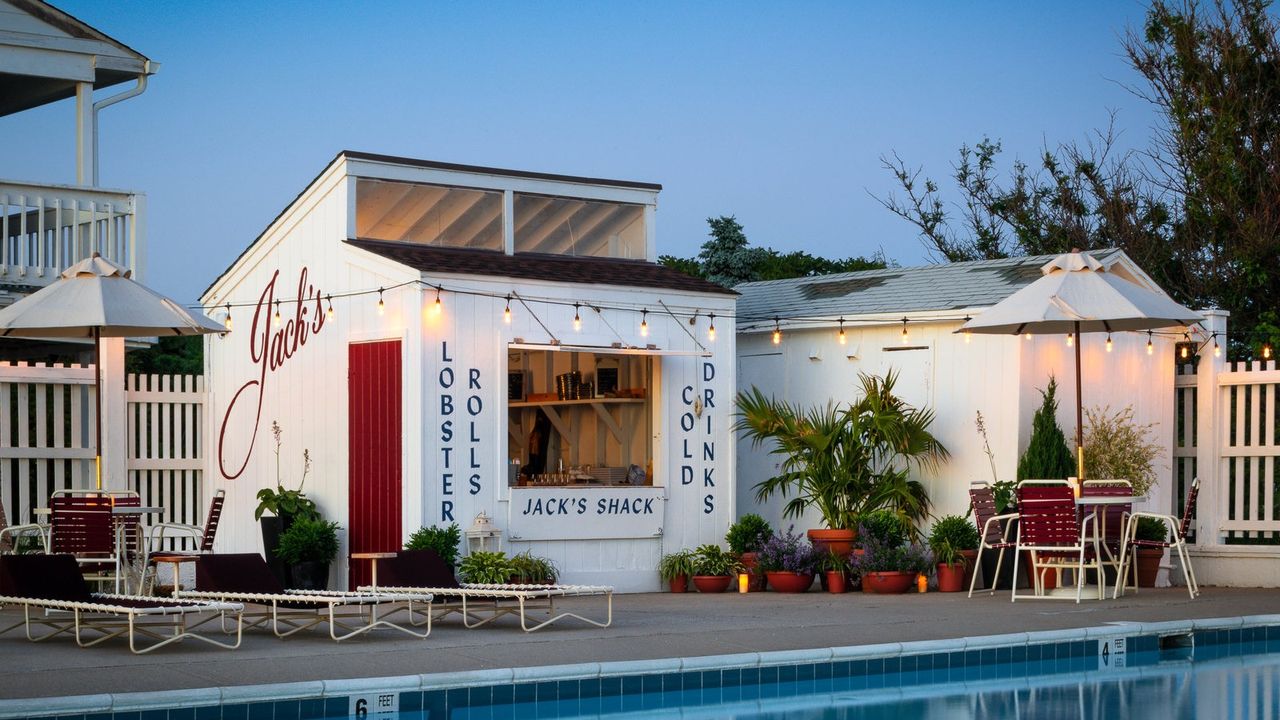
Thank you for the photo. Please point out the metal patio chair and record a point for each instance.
(993, 529)
(1178, 528)
(177, 534)
(1048, 529)
(11, 533)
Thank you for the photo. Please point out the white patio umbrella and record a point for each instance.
(95, 298)
(1077, 294)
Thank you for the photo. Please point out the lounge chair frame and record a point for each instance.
(165, 623)
(481, 604)
(337, 608)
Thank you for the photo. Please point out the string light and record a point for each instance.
(1027, 336)
(1266, 351)
(644, 323)
(905, 337)
(1150, 348)
(382, 305)
(1217, 351)
(1184, 351)
(1071, 339)
(841, 335)
(329, 312)
(227, 321)
(439, 306)
(711, 331)
(1108, 342)
(506, 312)
(276, 319)
(777, 332)
(968, 335)
(577, 319)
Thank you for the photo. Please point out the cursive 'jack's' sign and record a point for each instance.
(269, 351)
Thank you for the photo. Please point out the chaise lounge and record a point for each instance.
(424, 571)
(53, 593)
(246, 578)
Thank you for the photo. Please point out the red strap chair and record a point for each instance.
(1048, 529)
(1179, 542)
(177, 532)
(993, 528)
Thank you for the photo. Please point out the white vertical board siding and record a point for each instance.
(465, 446)
(954, 378)
(1126, 376)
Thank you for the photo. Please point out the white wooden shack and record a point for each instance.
(478, 315)
(955, 375)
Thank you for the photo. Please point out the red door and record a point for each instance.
(374, 437)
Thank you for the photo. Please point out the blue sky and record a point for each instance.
(774, 112)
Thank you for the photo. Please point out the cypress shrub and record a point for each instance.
(1047, 455)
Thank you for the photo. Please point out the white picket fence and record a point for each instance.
(47, 438)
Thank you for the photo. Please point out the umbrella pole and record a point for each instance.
(97, 405)
(1079, 412)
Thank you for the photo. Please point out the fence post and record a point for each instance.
(1211, 508)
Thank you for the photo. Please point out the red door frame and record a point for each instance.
(374, 437)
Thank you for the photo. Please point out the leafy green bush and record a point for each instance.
(714, 560)
(444, 540)
(491, 568)
(675, 564)
(884, 527)
(1117, 446)
(1047, 455)
(955, 530)
(532, 569)
(749, 534)
(1152, 529)
(309, 540)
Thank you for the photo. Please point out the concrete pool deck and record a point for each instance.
(646, 627)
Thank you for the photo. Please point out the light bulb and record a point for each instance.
(276, 319)
(1217, 351)
(1266, 351)
(438, 307)
(905, 337)
(1150, 348)
(711, 331)
(227, 322)
(329, 312)
(777, 332)
(382, 305)
(506, 312)
(644, 323)
(1026, 336)
(1182, 352)
(1071, 339)
(1108, 342)
(577, 319)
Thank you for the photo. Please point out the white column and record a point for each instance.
(85, 134)
(114, 466)
(1210, 508)
(508, 222)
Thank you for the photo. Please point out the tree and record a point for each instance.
(1213, 71)
(178, 355)
(1047, 454)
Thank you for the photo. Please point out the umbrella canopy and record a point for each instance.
(96, 298)
(1077, 294)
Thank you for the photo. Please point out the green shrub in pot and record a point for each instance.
(486, 568)
(714, 560)
(748, 534)
(444, 540)
(530, 568)
(677, 564)
(309, 540)
(956, 531)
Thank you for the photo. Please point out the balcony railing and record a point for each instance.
(46, 228)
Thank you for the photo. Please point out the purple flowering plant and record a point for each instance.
(787, 552)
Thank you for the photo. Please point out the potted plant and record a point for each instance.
(888, 564)
(483, 567)
(1149, 557)
(954, 543)
(284, 506)
(844, 462)
(676, 568)
(788, 560)
(530, 569)
(745, 538)
(443, 540)
(835, 570)
(306, 549)
(713, 568)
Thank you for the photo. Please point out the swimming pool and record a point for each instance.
(1226, 667)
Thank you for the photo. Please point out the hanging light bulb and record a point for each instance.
(841, 335)
(777, 332)
(1071, 339)
(276, 319)
(1108, 342)
(967, 334)
(438, 306)
(1217, 351)
(644, 323)
(577, 319)
(329, 312)
(382, 305)
(1185, 350)
(711, 331)
(905, 337)
(1150, 348)
(227, 321)
(1026, 336)
(506, 312)
(1266, 351)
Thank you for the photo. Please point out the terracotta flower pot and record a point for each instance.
(970, 565)
(888, 583)
(951, 577)
(712, 583)
(679, 583)
(789, 582)
(838, 541)
(1149, 566)
(835, 581)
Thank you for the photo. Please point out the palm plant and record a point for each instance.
(845, 462)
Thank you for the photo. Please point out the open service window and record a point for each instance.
(579, 418)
